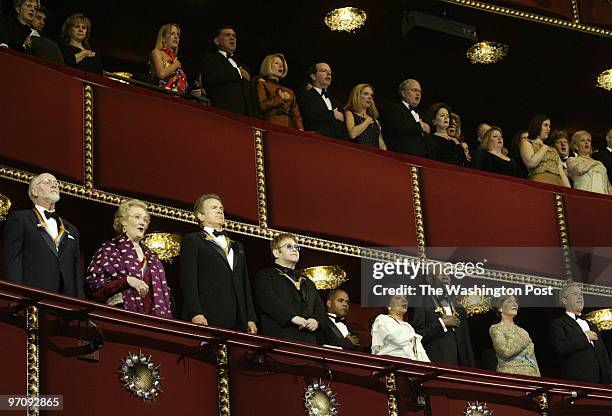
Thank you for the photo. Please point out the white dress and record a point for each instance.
(396, 338)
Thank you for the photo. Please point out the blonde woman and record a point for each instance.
(495, 160)
(76, 49)
(361, 117)
(125, 273)
(277, 103)
(166, 69)
(513, 345)
(587, 173)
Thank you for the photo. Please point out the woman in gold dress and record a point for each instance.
(541, 160)
(513, 345)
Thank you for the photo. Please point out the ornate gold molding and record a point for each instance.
(261, 177)
(563, 236)
(575, 11)
(391, 394)
(252, 230)
(418, 210)
(543, 404)
(223, 380)
(33, 363)
(533, 17)
(88, 162)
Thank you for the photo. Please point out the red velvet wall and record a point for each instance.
(42, 117)
(325, 187)
(166, 149)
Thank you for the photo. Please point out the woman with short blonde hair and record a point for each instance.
(277, 103)
(124, 272)
(587, 173)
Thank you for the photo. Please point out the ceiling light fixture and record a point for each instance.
(604, 80)
(346, 19)
(487, 52)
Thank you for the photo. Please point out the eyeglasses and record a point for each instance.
(291, 247)
(49, 182)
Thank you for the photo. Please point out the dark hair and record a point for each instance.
(535, 126)
(43, 10)
(199, 204)
(431, 113)
(332, 293)
(312, 70)
(608, 130)
(557, 135)
(219, 28)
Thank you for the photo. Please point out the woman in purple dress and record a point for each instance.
(126, 274)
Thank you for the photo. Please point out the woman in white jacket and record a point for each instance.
(391, 335)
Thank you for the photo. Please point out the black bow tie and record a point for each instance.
(324, 93)
(337, 319)
(229, 56)
(218, 233)
(49, 214)
(580, 317)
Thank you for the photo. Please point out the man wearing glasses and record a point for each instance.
(290, 304)
(41, 249)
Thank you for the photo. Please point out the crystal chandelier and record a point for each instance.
(604, 80)
(487, 52)
(345, 19)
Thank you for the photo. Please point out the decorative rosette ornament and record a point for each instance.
(320, 400)
(140, 375)
(478, 409)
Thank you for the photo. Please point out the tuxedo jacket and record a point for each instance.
(317, 117)
(404, 135)
(450, 347)
(224, 86)
(279, 301)
(210, 287)
(578, 359)
(31, 257)
(15, 33)
(605, 157)
(330, 334)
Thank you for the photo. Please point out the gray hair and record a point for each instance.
(569, 284)
(33, 183)
(403, 84)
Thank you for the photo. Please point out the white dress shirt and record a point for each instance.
(328, 102)
(222, 242)
(583, 324)
(416, 116)
(50, 223)
(231, 61)
(340, 325)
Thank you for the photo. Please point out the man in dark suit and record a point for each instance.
(404, 130)
(577, 342)
(605, 155)
(320, 111)
(226, 80)
(334, 329)
(40, 248)
(290, 304)
(214, 278)
(444, 326)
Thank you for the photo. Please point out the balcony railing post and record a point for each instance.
(88, 157)
(223, 387)
(32, 354)
(391, 394)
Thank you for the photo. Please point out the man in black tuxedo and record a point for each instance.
(320, 111)
(40, 248)
(290, 304)
(333, 329)
(605, 155)
(577, 342)
(226, 80)
(214, 278)
(444, 326)
(404, 130)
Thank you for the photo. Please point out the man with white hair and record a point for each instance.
(41, 249)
